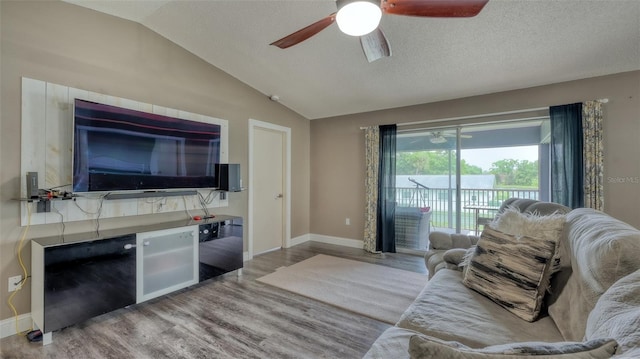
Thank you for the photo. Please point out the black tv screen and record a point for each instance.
(118, 149)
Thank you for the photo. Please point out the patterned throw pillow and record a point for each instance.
(549, 226)
(512, 271)
(422, 347)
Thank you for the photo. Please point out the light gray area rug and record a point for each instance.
(378, 292)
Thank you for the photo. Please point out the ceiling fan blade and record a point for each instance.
(375, 45)
(305, 33)
(455, 135)
(433, 8)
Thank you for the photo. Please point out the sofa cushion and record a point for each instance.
(601, 250)
(455, 256)
(421, 347)
(617, 314)
(434, 262)
(392, 343)
(447, 309)
(442, 240)
(511, 270)
(533, 206)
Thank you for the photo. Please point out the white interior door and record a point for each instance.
(268, 189)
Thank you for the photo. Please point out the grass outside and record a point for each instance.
(440, 219)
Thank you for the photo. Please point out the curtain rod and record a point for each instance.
(601, 100)
(469, 117)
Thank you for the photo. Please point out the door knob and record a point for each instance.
(279, 195)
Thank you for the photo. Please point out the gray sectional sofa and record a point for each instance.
(591, 309)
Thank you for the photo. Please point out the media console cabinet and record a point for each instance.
(80, 276)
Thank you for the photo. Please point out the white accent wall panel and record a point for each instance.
(46, 148)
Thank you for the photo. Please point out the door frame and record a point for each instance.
(253, 125)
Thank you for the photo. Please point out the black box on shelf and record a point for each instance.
(228, 175)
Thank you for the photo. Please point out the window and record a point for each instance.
(462, 174)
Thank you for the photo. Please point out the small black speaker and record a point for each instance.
(32, 185)
(228, 177)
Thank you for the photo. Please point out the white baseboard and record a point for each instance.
(8, 326)
(300, 239)
(347, 242)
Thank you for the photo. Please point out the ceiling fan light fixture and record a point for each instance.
(438, 139)
(359, 17)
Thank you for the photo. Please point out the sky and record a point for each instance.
(483, 158)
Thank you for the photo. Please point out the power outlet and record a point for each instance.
(347, 221)
(14, 282)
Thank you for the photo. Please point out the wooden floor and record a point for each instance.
(227, 317)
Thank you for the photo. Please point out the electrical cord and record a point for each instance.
(85, 211)
(211, 196)
(24, 271)
(64, 185)
(52, 192)
(203, 204)
(97, 213)
(53, 206)
(152, 201)
(161, 201)
(186, 209)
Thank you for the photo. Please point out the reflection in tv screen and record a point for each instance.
(117, 149)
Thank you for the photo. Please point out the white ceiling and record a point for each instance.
(511, 44)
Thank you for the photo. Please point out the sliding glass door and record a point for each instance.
(426, 185)
(457, 177)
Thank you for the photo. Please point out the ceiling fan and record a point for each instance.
(441, 137)
(361, 18)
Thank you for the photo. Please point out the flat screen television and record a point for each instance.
(118, 149)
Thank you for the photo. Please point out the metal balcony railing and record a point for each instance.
(442, 202)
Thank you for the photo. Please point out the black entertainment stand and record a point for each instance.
(80, 276)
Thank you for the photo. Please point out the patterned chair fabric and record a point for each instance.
(412, 227)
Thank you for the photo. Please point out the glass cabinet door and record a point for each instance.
(166, 261)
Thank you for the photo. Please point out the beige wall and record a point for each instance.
(337, 146)
(69, 45)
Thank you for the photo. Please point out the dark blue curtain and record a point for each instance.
(567, 171)
(386, 232)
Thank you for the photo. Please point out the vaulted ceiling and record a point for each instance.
(511, 44)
